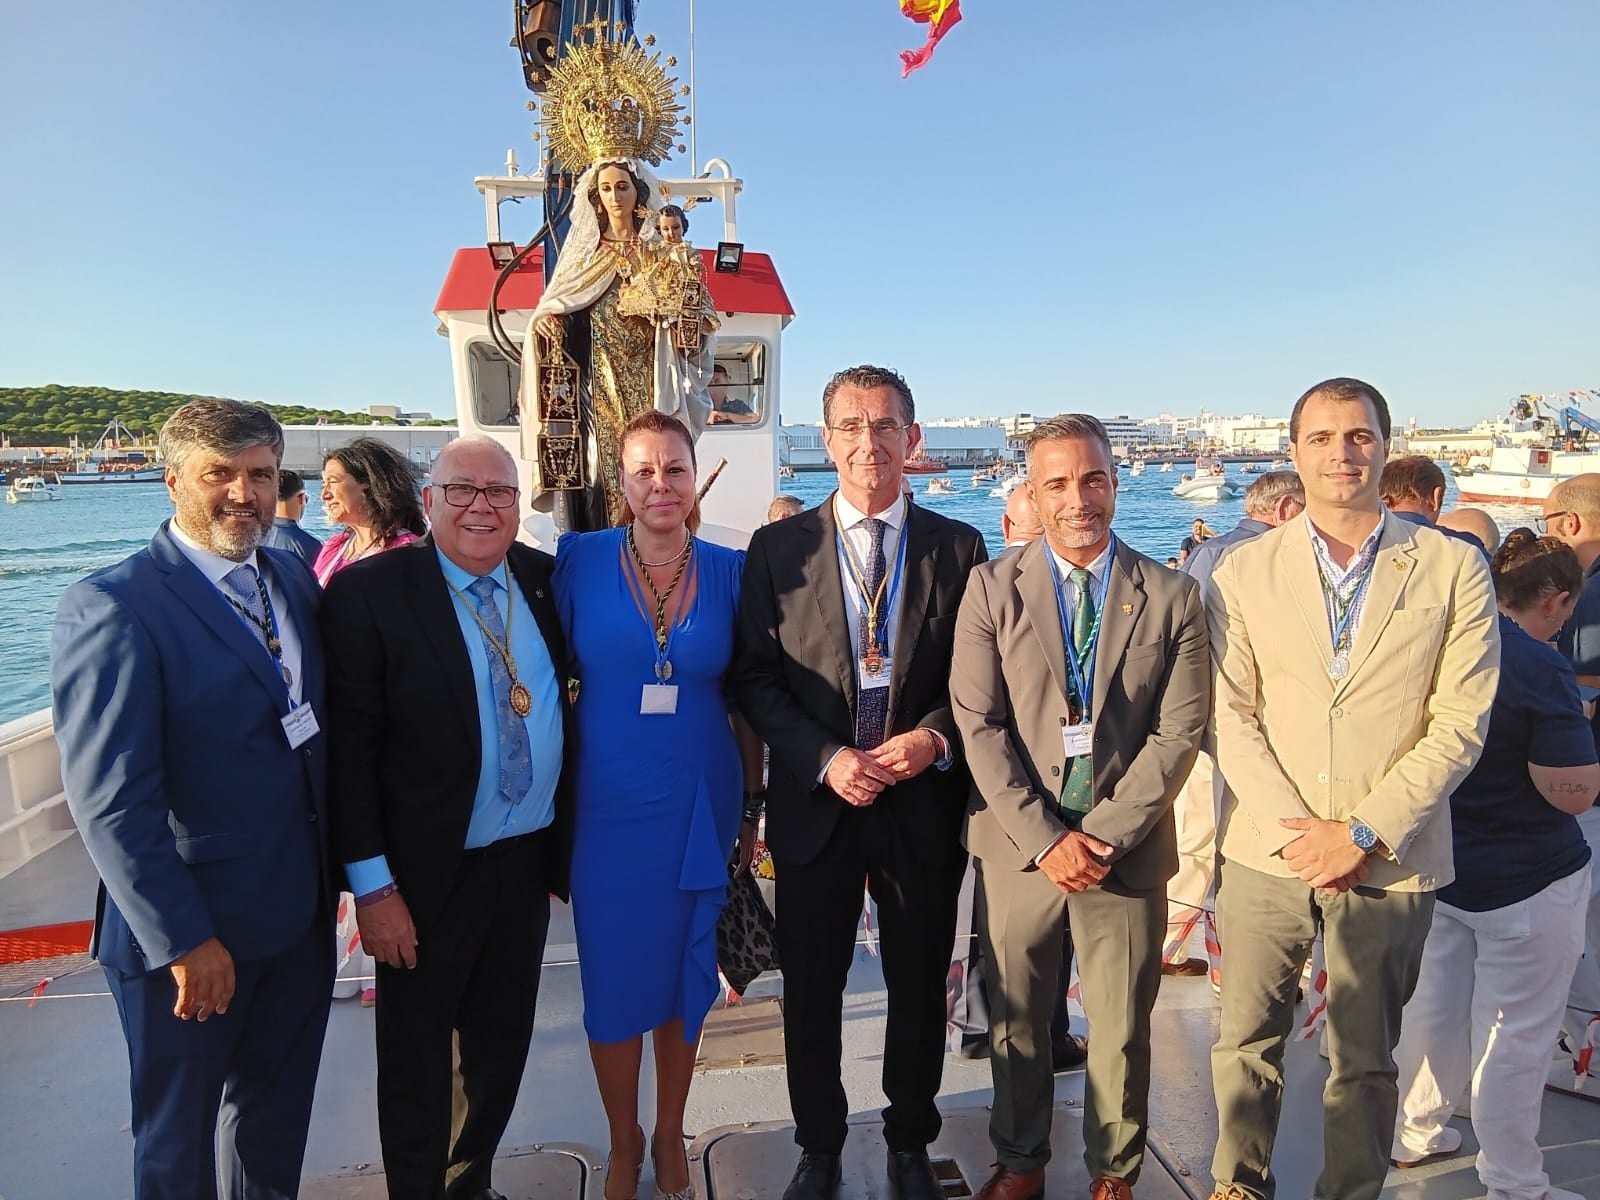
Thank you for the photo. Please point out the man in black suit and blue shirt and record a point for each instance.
(448, 716)
(188, 695)
(846, 622)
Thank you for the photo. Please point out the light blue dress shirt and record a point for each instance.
(493, 818)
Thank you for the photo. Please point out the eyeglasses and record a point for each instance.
(887, 427)
(1543, 523)
(464, 495)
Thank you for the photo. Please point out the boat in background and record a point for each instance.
(1137, 468)
(1166, 466)
(115, 471)
(920, 464)
(940, 486)
(31, 489)
(1209, 482)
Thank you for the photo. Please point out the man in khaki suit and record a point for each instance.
(1072, 808)
(1356, 662)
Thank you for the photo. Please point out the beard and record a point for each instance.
(230, 537)
(1075, 538)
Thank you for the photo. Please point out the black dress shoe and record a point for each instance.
(1070, 1054)
(911, 1176)
(815, 1178)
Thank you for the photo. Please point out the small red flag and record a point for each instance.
(940, 16)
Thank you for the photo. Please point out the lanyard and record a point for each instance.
(877, 613)
(269, 629)
(663, 647)
(1082, 667)
(1341, 608)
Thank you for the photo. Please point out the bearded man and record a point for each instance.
(188, 687)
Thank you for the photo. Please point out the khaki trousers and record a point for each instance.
(1373, 941)
(1117, 938)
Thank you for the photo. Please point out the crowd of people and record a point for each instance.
(1335, 721)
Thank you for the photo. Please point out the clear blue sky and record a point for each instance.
(1118, 207)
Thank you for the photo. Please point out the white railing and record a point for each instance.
(33, 806)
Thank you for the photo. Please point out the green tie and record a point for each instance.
(1077, 793)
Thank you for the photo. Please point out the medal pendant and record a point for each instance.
(288, 676)
(1339, 667)
(872, 663)
(521, 700)
(663, 670)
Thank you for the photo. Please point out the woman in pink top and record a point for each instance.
(369, 488)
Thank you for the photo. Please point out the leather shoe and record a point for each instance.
(1006, 1184)
(912, 1177)
(1109, 1187)
(1185, 966)
(815, 1178)
(1070, 1053)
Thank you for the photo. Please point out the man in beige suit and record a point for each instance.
(1356, 662)
(1072, 806)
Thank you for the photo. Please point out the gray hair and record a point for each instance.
(222, 427)
(1263, 495)
(1065, 426)
(867, 378)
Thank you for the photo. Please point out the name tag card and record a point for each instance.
(300, 726)
(1078, 739)
(872, 680)
(658, 700)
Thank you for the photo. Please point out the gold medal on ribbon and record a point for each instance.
(521, 699)
(872, 663)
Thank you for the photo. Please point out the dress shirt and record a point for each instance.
(1336, 575)
(493, 818)
(216, 568)
(850, 520)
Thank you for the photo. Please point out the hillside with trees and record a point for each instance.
(52, 414)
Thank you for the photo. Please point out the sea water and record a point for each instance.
(44, 548)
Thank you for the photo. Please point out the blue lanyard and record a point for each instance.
(274, 640)
(1082, 668)
(1339, 619)
(858, 580)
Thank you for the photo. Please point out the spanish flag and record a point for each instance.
(940, 16)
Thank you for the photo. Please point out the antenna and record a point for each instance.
(694, 150)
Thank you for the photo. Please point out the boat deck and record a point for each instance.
(63, 1089)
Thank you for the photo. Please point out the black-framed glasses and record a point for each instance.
(1542, 523)
(886, 427)
(462, 495)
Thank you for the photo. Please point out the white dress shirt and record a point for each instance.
(215, 568)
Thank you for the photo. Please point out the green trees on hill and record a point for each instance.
(52, 414)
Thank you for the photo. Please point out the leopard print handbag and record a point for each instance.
(746, 944)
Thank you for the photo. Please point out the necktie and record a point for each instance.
(241, 586)
(872, 704)
(516, 759)
(1077, 792)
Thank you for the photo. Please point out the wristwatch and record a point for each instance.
(1363, 835)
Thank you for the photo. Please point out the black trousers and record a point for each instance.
(818, 910)
(453, 1033)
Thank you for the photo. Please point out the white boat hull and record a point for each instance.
(1206, 489)
(143, 475)
(1493, 487)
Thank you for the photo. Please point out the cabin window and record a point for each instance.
(495, 383)
(739, 391)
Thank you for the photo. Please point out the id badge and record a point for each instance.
(658, 700)
(868, 680)
(300, 726)
(1078, 739)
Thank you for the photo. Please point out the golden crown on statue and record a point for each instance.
(607, 98)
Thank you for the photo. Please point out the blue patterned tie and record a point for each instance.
(1077, 792)
(872, 705)
(516, 760)
(241, 586)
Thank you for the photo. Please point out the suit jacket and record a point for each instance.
(795, 674)
(1389, 742)
(405, 745)
(1151, 698)
(200, 818)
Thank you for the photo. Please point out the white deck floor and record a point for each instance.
(65, 1132)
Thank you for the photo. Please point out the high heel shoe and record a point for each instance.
(686, 1192)
(638, 1171)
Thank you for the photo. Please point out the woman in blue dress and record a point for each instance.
(649, 614)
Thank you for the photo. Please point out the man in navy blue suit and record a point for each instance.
(188, 685)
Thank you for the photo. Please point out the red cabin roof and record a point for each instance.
(755, 289)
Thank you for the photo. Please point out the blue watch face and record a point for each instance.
(1364, 836)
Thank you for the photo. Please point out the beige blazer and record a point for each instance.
(1389, 742)
(1151, 697)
